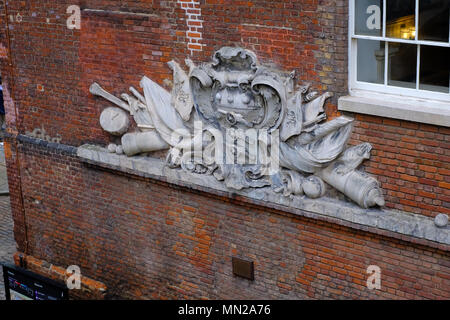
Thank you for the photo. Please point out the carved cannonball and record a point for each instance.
(441, 220)
(313, 187)
(112, 148)
(114, 121)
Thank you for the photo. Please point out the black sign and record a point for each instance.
(21, 284)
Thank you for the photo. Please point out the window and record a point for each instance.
(401, 47)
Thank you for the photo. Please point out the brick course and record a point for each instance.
(172, 242)
(411, 160)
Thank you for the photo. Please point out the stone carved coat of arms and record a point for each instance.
(247, 125)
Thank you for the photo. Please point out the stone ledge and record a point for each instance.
(403, 108)
(396, 224)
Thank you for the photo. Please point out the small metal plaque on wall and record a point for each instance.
(243, 268)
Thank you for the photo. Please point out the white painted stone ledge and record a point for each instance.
(392, 221)
(398, 107)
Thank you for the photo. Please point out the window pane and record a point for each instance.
(434, 20)
(370, 64)
(400, 19)
(402, 65)
(369, 17)
(434, 68)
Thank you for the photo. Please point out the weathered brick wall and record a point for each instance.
(147, 239)
(119, 227)
(411, 160)
(45, 69)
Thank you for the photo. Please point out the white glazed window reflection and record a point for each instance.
(400, 19)
(370, 63)
(402, 65)
(435, 68)
(434, 20)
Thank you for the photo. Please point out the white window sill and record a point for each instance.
(428, 111)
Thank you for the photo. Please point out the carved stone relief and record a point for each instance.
(246, 125)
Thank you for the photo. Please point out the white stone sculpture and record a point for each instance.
(228, 117)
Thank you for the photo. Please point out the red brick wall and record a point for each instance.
(411, 160)
(73, 214)
(146, 239)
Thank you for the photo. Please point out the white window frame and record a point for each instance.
(356, 86)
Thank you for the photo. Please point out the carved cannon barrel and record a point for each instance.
(138, 142)
(358, 186)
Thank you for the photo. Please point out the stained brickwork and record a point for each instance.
(171, 242)
(412, 162)
(147, 239)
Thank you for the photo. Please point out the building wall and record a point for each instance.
(411, 161)
(148, 239)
